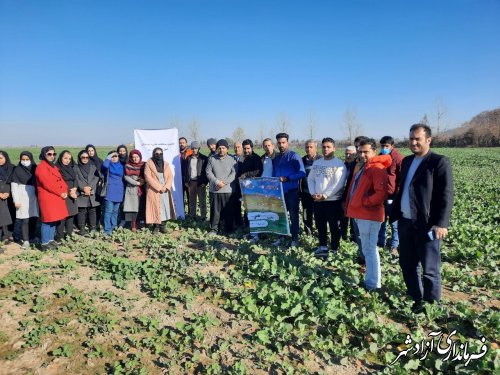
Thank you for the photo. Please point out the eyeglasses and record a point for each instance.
(51, 153)
(84, 157)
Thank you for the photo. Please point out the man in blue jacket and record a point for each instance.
(288, 166)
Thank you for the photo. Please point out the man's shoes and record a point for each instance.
(212, 233)
(294, 243)
(54, 245)
(277, 242)
(163, 229)
(253, 238)
(322, 251)
(418, 307)
(25, 245)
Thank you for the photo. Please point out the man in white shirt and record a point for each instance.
(326, 182)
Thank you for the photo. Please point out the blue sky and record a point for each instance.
(77, 72)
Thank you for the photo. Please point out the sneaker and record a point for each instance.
(83, 233)
(212, 233)
(253, 238)
(53, 245)
(321, 251)
(25, 245)
(277, 242)
(294, 244)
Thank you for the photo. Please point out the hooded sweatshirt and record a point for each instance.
(367, 200)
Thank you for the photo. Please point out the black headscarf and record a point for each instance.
(25, 175)
(67, 172)
(158, 160)
(43, 151)
(6, 169)
(84, 168)
(123, 159)
(94, 159)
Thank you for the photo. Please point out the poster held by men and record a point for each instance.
(265, 205)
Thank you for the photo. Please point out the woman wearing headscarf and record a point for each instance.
(6, 169)
(52, 193)
(133, 205)
(87, 180)
(94, 158)
(97, 161)
(159, 202)
(122, 154)
(66, 165)
(113, 173)
(24, 196)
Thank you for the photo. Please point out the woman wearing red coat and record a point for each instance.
(52, 194)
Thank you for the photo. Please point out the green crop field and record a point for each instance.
(183, 302)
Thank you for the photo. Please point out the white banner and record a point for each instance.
(168, 140)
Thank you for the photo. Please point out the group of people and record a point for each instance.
(372, 188)
(62, 193)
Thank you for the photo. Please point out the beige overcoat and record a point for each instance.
(153, 215)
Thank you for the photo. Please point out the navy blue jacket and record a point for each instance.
(289, 164)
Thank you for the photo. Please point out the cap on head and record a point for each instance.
(222, 142)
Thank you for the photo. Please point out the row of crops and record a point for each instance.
(186, 303)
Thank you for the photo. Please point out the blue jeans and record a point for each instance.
(292, 205)
(382, 234)
(358, 239)
(48, 231)
(420, 261)
(111, 216)
(368, 233)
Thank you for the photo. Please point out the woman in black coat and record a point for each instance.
(6, 169)
(87, 180)
(66, 165)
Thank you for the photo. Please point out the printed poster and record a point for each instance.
(265, 205)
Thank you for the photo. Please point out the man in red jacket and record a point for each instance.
(394, 173)
(365, 203)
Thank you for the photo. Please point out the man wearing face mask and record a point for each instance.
(394, 173)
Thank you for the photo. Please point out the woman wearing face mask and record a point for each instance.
(24, 196)
(66, 165)
(52, 193)
(87, 179)
(113, 172)
(133, 205)
(159, 202)
(6, 169)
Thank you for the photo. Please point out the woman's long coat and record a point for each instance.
(153, 215)
(50, 186)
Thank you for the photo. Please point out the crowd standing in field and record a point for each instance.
(370, 188)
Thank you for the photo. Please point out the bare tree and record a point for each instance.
(239, 134)
(441, 112)
(194, 130)
(311, 127)
(424, 120)
(283, 124)
(352, 127)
